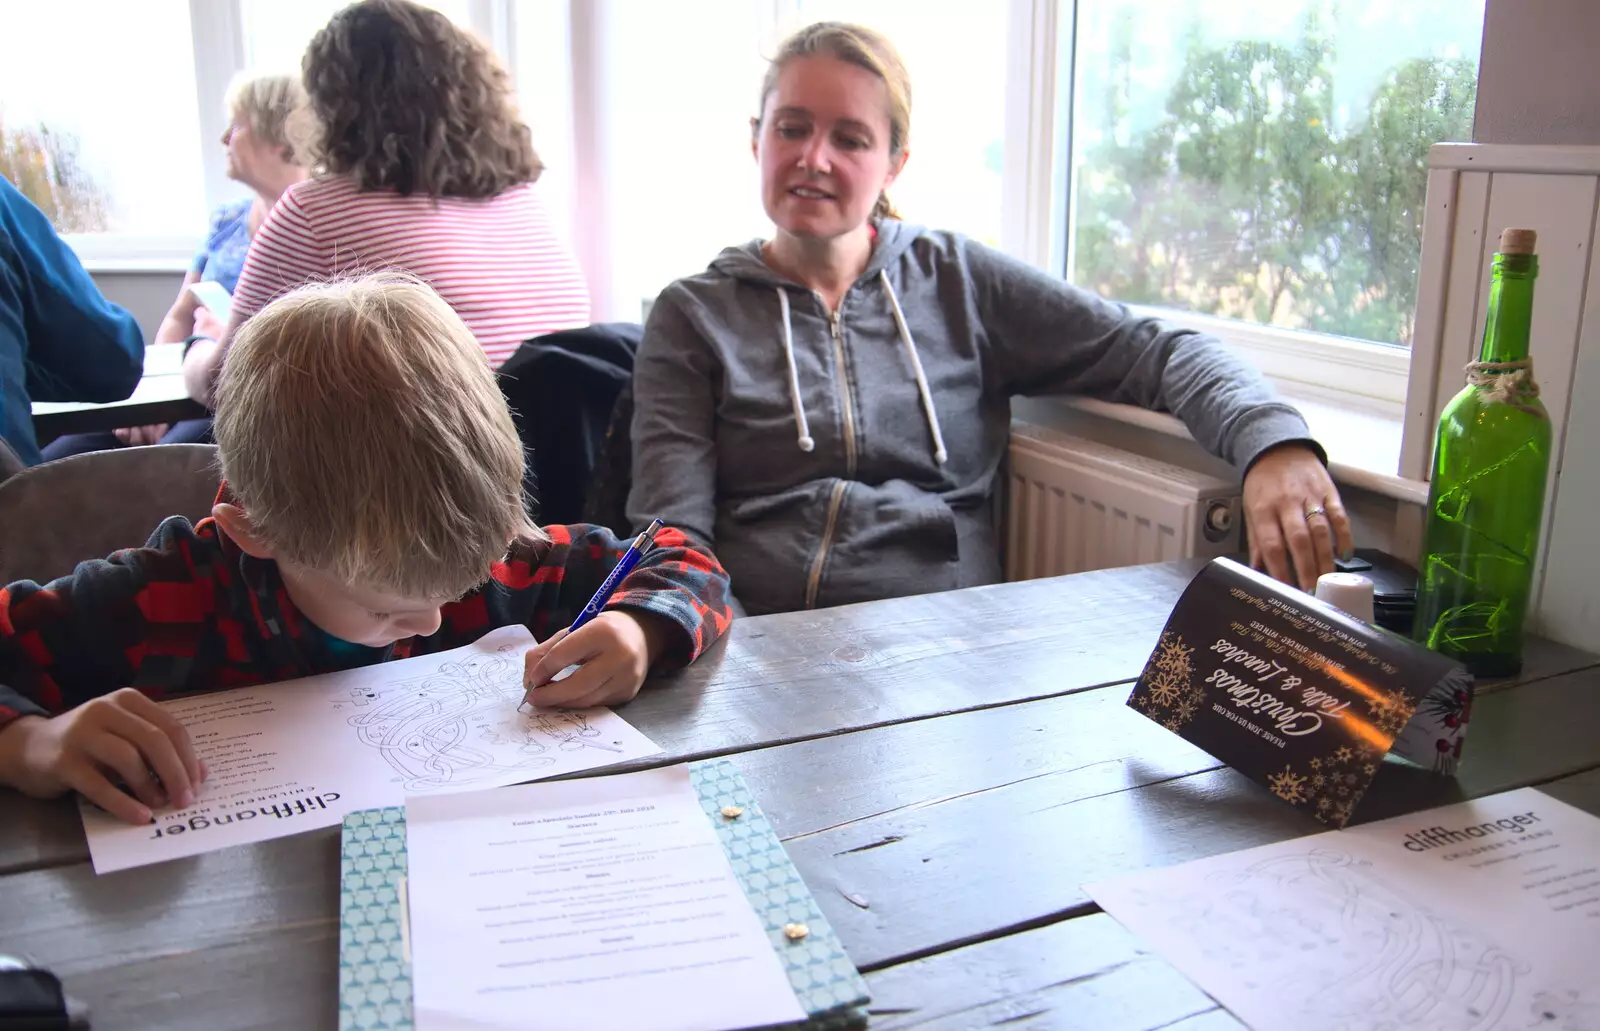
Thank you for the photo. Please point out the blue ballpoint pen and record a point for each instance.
(630, 558)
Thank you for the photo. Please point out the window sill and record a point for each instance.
(1314, 367)
(137, 266)
(1363, 447)
(129, 252)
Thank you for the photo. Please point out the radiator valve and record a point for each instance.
(1219, 520)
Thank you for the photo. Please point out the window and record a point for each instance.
(1265, 160)
(958, 119)
(679, 83)
(122, 150)
(103, 134)
(542, 66)
(1257, 164)
(676, 87)
(276, 31)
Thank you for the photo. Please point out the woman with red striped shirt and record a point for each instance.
(425, 166)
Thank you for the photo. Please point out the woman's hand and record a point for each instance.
(207, 324)
(123, 734)
(200, 369)
(204, 359)
(1293, 514)
(613, 653)
(141, 436)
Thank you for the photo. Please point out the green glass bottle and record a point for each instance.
(1491, 459)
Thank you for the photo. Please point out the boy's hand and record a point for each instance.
(615, 650)
(124, 734)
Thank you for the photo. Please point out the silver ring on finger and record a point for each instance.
(1318, 511)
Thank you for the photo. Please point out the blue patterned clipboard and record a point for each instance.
(374, 952)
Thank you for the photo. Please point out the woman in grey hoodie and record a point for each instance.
(828, 409)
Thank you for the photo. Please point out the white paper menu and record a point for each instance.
(1482, 916)
(604, 903)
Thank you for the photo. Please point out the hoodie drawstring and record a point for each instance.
(940, 455)
(804, 430)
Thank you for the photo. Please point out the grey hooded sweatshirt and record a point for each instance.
(841, 457)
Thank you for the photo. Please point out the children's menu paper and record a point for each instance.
(1296, 695)
(1481, 916)
(594, 904)
(297, 755)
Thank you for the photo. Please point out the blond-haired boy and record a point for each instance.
(372, 479)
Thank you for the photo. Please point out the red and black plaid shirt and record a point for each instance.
(191, 612)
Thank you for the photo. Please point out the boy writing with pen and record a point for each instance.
(371, 509)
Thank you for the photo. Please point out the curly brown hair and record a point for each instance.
(404, 100)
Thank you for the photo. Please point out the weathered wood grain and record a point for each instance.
(36, 833)
(1582, 791)
(803, 674)
(1539, 732)
(1087, 973)
(241, 938)
(986, 863)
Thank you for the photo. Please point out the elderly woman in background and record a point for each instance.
(424, 166)
(261, 157)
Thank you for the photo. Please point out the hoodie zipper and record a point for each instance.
(814, 580)
(844, 396)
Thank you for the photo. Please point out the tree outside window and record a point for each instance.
(1266, 162)
(43, 163)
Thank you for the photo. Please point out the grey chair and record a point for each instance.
(55, 515)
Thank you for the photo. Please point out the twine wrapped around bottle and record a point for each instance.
(1507, 383)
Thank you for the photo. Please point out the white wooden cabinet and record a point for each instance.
(1474, 191)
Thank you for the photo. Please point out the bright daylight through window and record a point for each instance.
(114, 145)
(103, 134)
(685, 78)
(1265, 160)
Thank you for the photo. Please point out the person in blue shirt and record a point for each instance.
(260, 155)
(60, 340)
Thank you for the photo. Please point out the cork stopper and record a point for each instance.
(1517, 241)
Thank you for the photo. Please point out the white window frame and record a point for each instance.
(1357, 373)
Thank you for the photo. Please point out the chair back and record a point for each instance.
(10, 462)
(606, 501)
(562, 389)
(55, 515)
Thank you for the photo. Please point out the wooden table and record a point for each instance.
(946, 771)
(159, 397)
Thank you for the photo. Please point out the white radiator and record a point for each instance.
(1074, 505)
